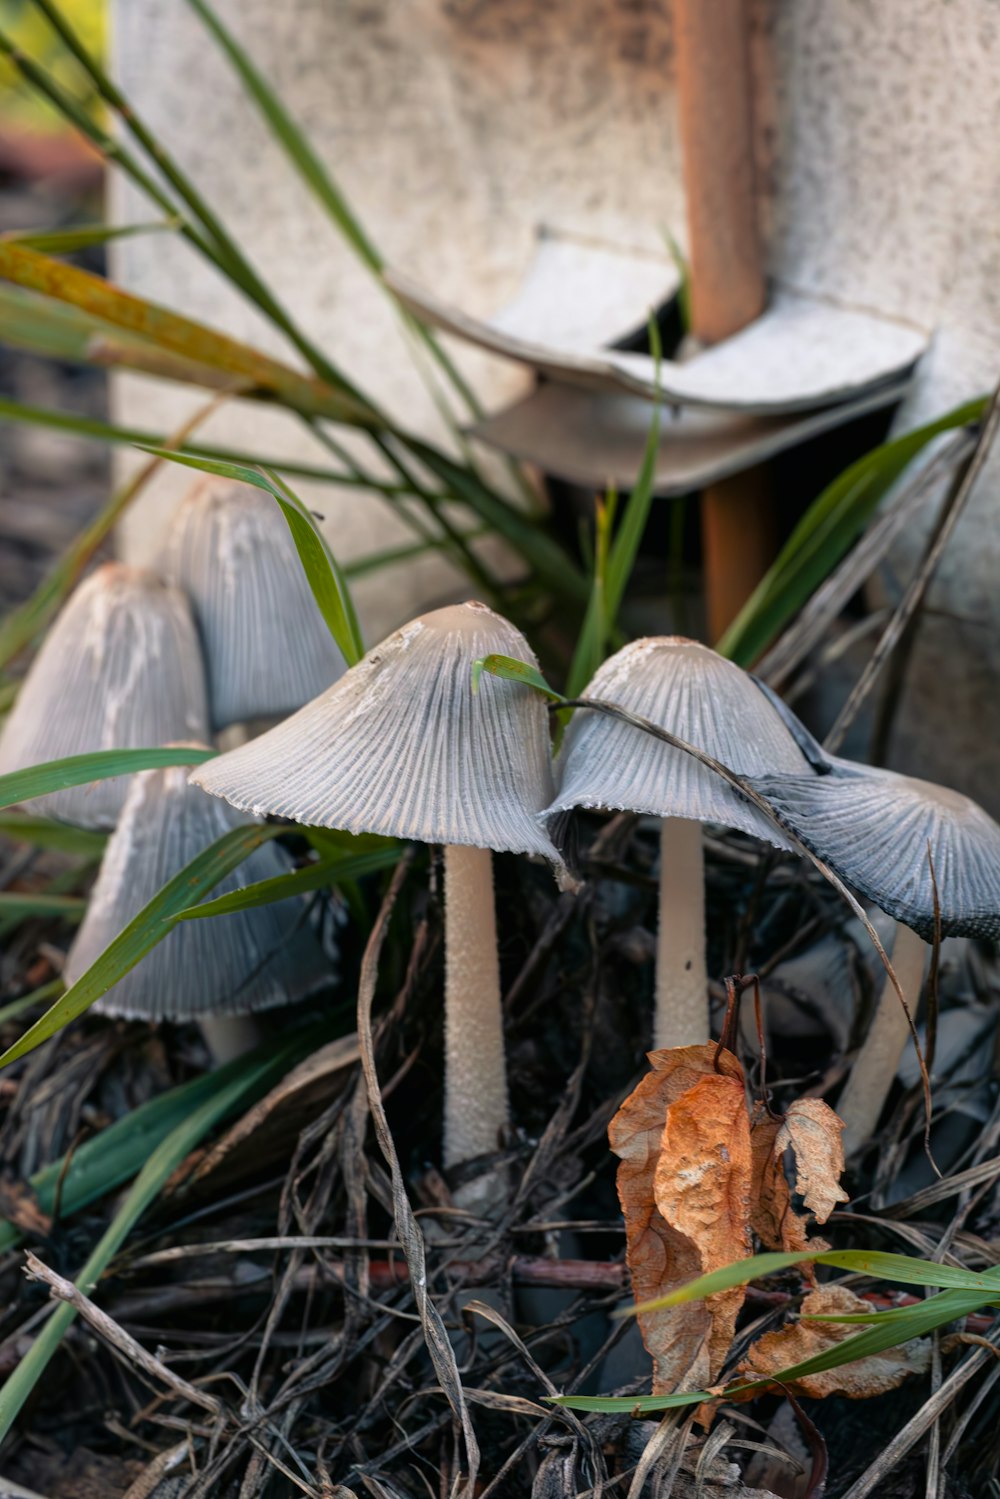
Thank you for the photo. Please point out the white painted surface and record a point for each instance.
(456, 130)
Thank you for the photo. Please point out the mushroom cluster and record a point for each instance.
(229, 633)
(402, 745)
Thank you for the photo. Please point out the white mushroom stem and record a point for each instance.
(863, 1099)
(230, 1036)
(475, 1102)
(681, 979)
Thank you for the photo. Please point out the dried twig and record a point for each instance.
(64, 1290)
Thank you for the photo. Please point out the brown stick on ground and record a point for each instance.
(727, 275)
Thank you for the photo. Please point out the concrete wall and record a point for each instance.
(455, 130)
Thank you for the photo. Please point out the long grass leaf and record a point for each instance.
(144, 931)
(319, 876)
(77, 770)
(239, 1082)
(44, 832)
(84, 236)
(22, 626)
(323, 572)
(825, 533)
(19, 905)
(176, 334)
(906, 1269)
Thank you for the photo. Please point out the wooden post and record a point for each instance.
(727, 276)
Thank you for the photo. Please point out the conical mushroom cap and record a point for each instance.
(223, 965)
(267, 647)
(873, 828)
(690, 691)
(402, 746)
(120, 669)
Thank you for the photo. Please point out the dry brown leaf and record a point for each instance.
(772, 1217)
(860, 1380)
(812, 1132)
(702, 1190)
(660, 1255)
(20, 1206)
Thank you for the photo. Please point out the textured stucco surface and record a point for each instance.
(885, 171)
(456, 129)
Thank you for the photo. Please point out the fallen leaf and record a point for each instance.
(772, 1217)
(662, 1254)
(812, 1132)
(859, 1380)
(20, 1206)
(702, 1190)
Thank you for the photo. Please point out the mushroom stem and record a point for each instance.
(866, 1090)
(230, 1036)
(681, 978)
(475, 1106)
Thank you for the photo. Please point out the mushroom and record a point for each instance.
(692, 692)
(120, 669)
(267, 648)
(402, 746)
(209, 970)
(882, 832)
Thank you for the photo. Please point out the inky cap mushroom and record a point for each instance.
(692, 692)
(402, 746)
(267, 647)
(880, 831)
(222, 965)
(120, 669)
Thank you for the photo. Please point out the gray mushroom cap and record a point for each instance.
(267, 647)
(222, 965)
(402, 746)
(692, 692)
(873, 827)
(120, 669)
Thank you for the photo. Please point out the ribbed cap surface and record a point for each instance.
(401, 745)
(873, 828)
(267, 647)
(687, 689)
(120, 669)
(223, 965)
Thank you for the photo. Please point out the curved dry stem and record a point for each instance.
(861, 1103)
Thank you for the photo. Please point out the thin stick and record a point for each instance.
(106, 1328)
(899, 632)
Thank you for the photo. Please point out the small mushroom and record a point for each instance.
(692, 692)
(206, 970)
(881, 832)
(267, 648)
(120, 669)
(402, 746)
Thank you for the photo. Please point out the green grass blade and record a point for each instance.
(325, 576)
(511, 670)
(114, 1155)
(28, 1001)
(100, 765)
(293, 140)
(905, 1269)
(43, 832)
(537, 548)
(84, 236)
(298, 882)
(912, 1322)
(20, 906)
(175, 334)
(144, 931)
(825, 533)
(239, 1082)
